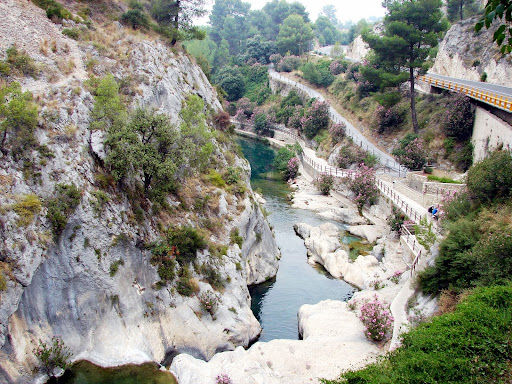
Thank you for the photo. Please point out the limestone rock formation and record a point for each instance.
(67, 285)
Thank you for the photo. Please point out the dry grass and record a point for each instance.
(66, 66)
(448, 300)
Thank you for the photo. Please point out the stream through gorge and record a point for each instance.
(275, 303)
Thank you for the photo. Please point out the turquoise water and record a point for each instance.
(276, 303)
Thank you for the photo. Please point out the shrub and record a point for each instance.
(72, 33)
(135, 18)
(288, 64)
(185, 287)
(338, 66)
(212, 276)
(223, 378)
(315, 119)
(221, 120)
(411, 153)
(471, 345)
(364, 187)
(337, 132)
(21, 62)
(209, 302)
(491, 179)
(324, 183)
(18, 120)
(396, 276)
(318, 73)
(348, 155)
(377, 320)
(388, 119)
(459, 118)
(283, 156)
(292, 168)
(275, 58)
(99, 200)
(67, 198)
(187, 241)
(397, 219)
(54, 355)
(235, 237)
(115, 266)
(27, 207)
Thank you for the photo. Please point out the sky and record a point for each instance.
(347, 9)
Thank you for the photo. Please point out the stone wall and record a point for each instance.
(489, 133)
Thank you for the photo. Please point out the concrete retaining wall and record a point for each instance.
(489, 132)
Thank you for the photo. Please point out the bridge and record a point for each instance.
(498, 96)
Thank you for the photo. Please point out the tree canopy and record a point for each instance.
(294, 35)
(502, 10)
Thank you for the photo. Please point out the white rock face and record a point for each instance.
(324, 247)
(462, 55)
(65, 286)
(358, 49)
(333, 341)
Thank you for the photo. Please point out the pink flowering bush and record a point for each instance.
(387, 119)
(337, 131)
(412, 153)
(246, 106)
(377, 319)
(275, 58)
(223, 379)
(288, 64)
(292, 168)
(459, 118)
(396, 276)
(53, 355)
(294, 121)
(363, 186)
(337, 66)
(348, 155)
(315, 119)
(209, 302)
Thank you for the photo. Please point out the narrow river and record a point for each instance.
(276, 303)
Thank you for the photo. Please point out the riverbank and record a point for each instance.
(333, 336)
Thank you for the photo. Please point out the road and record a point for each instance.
(499, 96)
(359, 139)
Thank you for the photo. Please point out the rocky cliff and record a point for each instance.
(465, 54)
(94, 284)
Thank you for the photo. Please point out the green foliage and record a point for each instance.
(188, 242)
(502, 10)
(440, 179)
(459, 118)
(108, 112)
(18, 120)
(235, 238)
(461, 9)
(61, 206)
(283, 156)
(27, 207)
(185, 287)
(115, 266)
(51, 356)
(318, 73)
(135, 18)
(100, 198)
(215, 178)
(231, 81)
(396, 219)
(324, 183)
(425, 233)
(491, 179)
(256, 83)
(412, 28)
(471, 345)
(411, 153)
(294, 35)
(73, 33)
(21, 62)
(212, 276)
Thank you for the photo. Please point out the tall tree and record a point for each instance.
(294, 35)
(329, 11)
(412, 28)
(175, 17)
(223, 9)
(459, 9)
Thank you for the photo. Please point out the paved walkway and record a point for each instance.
(358, 138)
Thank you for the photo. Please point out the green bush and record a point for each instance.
(235, 237)
(180, 243)
(318, 73)
(212, 276)
(185, 287)
(115, 266)
(60, 207)
(73, 33)
(491, 179)
(324, 183)
(459, 118)
(471, 345)
(21, 61)
(282, 158)
(135, 18)
(440, 179)
(18, 120)
(27, 207)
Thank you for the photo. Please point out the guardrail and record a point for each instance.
(410, 239)
(327, 169)
(399, 202)
(495, 99)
